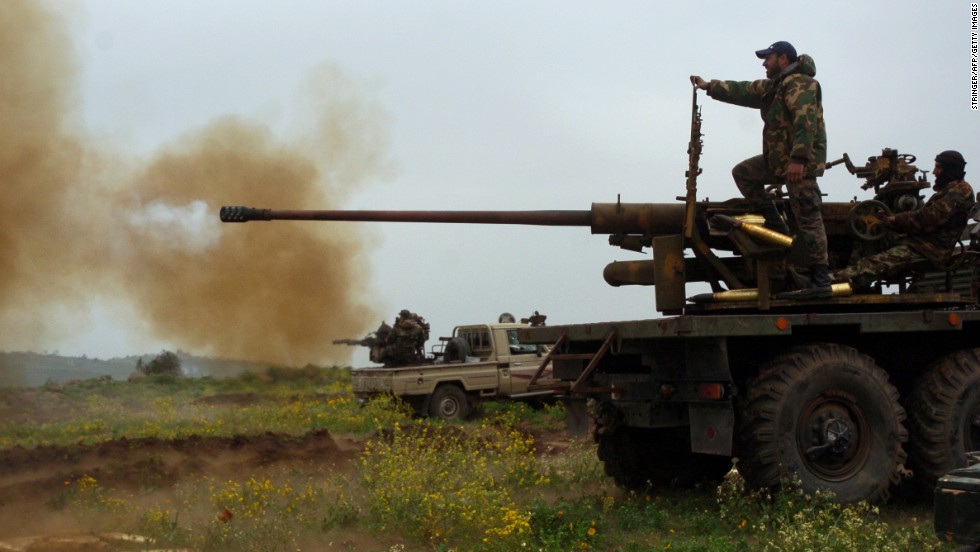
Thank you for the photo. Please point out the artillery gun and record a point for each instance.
(841, 394)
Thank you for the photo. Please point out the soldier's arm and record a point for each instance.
(743, 93)
(958, 199)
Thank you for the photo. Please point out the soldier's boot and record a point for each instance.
(819, 286)
(773, 219)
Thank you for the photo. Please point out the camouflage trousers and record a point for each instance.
(889, 263)
(753, 175)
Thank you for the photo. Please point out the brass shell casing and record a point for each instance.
(842, 289)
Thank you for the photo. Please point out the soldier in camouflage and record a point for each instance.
(931, 232)
(406, 342)
(794, 150)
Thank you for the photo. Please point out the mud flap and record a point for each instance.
(712, 428)
(576, 416)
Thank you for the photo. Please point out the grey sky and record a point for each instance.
(522, 105)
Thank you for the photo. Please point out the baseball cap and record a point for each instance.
(781, 47)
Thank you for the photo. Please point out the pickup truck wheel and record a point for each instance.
(449, 402)
(944, 417)
(826, 416)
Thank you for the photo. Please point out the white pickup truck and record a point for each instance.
(480, 361)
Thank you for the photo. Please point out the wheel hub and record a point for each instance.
(834, 436)
(448, 407)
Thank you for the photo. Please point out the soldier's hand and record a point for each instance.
(699, 82)
(902, 222)
(794, 172)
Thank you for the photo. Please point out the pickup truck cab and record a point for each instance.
(479, 362)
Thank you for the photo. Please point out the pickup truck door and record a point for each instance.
(522, 368)
(524, 362)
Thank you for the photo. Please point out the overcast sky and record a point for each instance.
(518, 105)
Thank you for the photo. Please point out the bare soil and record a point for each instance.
(32, 480)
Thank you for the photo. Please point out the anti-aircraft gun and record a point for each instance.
(849, 394)
(398, 344)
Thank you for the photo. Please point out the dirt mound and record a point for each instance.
(32, 479)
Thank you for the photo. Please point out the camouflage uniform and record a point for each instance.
(406, 342)
(790, 106)
(932, 232)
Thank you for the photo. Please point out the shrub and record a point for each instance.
(166, 363)
(792, 520)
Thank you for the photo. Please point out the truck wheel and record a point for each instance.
(826, 416)
(621, 453)
(449, 402)
(457, 349)
(944, 417)
(637, 458)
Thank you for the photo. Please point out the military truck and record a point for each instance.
(852, 394)
(478, 362)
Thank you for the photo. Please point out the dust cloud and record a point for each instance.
(80, 226)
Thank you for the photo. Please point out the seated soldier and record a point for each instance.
(931, 232)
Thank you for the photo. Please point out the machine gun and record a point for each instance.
(401, 344)
(366, 342)
(375, 341)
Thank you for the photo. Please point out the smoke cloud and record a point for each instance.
(80, 226)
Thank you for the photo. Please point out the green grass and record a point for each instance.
(418, 484)
(165, 407)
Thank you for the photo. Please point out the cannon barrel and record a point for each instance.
(603, 218)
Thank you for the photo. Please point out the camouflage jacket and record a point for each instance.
(791, 108)
(935, 228)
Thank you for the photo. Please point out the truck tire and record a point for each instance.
(827, 417)
(639, 458)
(457, 349)
(944, 417)
(449, 402)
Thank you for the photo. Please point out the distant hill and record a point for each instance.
(35, 369)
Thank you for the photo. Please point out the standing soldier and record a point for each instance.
(794, 150)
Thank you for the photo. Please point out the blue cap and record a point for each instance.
(781, 47)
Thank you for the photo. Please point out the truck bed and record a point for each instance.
(421, 379)
(869, 315)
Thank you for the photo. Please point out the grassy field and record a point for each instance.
(287, 460)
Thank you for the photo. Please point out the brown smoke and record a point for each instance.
(79, 226)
